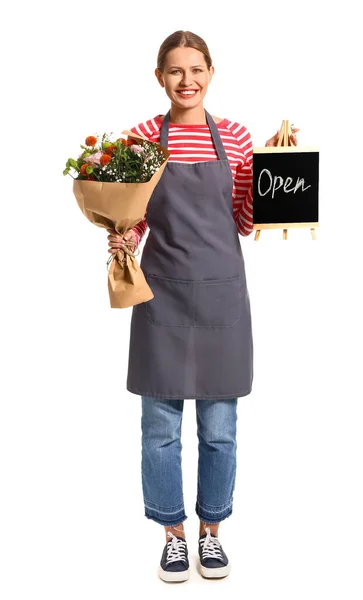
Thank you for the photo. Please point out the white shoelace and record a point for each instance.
(175, 549)
(211, 546)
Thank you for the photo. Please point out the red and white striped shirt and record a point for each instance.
(193, 143)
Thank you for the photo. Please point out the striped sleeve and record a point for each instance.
(145, 129)
(242, 194)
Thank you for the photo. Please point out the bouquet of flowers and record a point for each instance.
(115, 180)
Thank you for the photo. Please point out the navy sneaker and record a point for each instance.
(213, 559)
(174, 563)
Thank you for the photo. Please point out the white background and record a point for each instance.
(71, 506)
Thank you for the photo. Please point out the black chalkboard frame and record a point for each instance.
(279, 150)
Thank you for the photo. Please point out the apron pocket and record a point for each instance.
(172, 304)
(218, 302)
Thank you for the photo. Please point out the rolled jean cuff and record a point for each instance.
(168, 517)
(213, 514)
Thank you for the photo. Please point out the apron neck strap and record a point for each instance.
(164, 134)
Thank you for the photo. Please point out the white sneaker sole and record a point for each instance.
(173, 575)
(215, 572)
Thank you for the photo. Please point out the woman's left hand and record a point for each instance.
(274, 139)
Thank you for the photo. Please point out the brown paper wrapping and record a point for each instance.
(120, 206)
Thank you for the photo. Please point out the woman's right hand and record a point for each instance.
(116, 241)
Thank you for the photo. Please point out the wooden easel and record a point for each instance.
(285, 132)
(284, 140)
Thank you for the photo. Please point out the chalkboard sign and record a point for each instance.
(285, 186)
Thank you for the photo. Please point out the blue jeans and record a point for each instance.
(161, 459)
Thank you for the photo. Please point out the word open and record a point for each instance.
(267, 182)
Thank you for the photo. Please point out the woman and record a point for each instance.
(194, 338)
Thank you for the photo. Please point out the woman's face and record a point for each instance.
(185, 69)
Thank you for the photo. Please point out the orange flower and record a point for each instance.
(110, 150)
(83, 169)
(128, 142)
(105, 159)
(91, 140)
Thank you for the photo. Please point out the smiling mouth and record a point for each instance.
(187, 93)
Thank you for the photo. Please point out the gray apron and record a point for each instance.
(194, 338)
